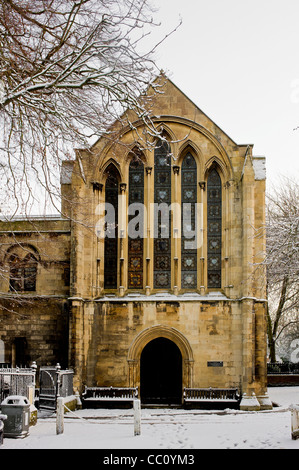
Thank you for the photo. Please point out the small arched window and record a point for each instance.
(23, 273)
(214, 208)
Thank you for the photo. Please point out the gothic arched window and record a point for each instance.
(23, 273)
(162, 241)
(111, 228)
(214, 208)
(188, 227)
(136, 224)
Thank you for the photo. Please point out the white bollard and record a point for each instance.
(137, 418)
(60, 416)
(295, 421)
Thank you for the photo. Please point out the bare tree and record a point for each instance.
(68, 69)
(282, 261)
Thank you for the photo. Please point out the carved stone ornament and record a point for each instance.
(148, 170)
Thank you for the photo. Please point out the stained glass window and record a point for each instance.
(136, 225)
(188, 214)
(214, 200)
(111, 238)
(162, 241)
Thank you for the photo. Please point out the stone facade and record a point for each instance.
(34, 324)
(218, 329)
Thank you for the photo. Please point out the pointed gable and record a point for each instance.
(171, 101)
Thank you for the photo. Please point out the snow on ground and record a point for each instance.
(168, 428)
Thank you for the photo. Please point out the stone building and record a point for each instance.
(166, 299)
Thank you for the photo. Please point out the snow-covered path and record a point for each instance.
(168, 429)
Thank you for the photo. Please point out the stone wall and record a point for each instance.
(209, 334)
(39, 319)
(43, 324)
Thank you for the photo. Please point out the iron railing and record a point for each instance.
(54, 383)
(17, 381)
(283, 368)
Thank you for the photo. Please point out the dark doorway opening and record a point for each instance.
(161, 373)
(20, 357)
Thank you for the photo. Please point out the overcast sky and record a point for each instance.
(239, 62)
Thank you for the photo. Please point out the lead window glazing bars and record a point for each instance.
(188, 225)
(111, 228)
(162, 241)
(214, 228)
(135, 230)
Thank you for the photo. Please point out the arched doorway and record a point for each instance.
(161, 373)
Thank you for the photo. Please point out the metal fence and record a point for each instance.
(283, 368)
(54, 383)
(17, 381)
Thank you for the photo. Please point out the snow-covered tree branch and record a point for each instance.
(282, 260)
(68, 69)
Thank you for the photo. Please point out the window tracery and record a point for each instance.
(214, 228)
(188, 215)
(111, 229)
(162, 242)
(162, 195)
(135, 234)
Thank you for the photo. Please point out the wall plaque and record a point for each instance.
(215, 364)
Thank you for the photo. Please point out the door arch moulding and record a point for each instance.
(160, 331)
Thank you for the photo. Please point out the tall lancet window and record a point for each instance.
(162, 241)
(136, 224)
(214, 200)
(188, 226)
(111, 236)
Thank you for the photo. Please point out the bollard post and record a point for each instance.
(60, 416)
(295, 421)
(137, 418)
